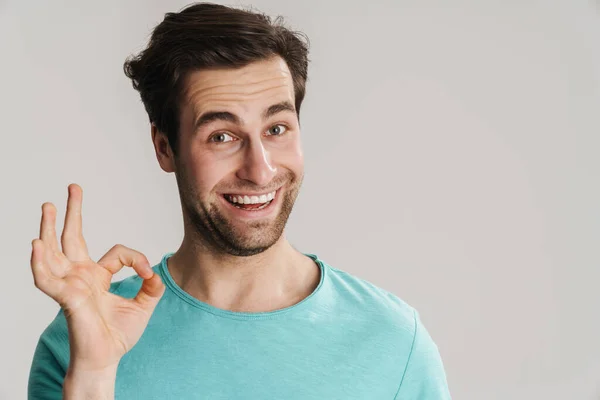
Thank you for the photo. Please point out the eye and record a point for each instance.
(220, 137)
(276, 130)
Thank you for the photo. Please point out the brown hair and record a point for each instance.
(206, 35)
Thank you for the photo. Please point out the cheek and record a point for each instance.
(205, 173)
(291, 157)
(297, 161)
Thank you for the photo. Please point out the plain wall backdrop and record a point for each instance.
(452, 157)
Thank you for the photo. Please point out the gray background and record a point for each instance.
(451, 158)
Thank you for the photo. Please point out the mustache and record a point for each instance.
(257, 189)
(250, 189)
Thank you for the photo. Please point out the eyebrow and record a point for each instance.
(211, 116)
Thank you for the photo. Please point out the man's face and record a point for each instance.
(239, 137)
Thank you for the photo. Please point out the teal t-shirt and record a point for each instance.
(348, 340)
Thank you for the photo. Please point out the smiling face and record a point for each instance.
(239, 141)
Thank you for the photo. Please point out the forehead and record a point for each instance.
(261, 81)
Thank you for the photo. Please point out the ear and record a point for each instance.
(164, 153)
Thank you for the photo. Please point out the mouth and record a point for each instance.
(251, 203)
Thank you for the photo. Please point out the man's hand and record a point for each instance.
(102, 326)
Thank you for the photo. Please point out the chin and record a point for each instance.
(241, 232)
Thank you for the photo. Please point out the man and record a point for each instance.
(236, 312)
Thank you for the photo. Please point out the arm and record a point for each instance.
(46, 374)
(90, 385)
(424, 376)
(49, 381)
(52, 375)
(95, 327)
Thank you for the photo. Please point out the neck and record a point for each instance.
(276, 278)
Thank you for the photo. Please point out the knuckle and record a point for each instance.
(37, 282)
(142, 259)
(119, 247)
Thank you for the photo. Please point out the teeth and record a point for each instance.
(251, 199)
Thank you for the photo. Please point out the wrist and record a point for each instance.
(87, 383)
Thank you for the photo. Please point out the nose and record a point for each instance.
(257, 167)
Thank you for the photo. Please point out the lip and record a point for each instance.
(250, 194)
(249, 214)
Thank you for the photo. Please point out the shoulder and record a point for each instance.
(374, 303)
(52, 353)
(401, 326)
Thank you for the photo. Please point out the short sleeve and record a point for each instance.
(424, 376)
(50, 361)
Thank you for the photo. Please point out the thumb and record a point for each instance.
(150, 293)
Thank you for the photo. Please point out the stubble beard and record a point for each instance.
(216, 230)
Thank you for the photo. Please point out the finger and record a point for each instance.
(150, 293)
(53, 256)
(48, 227)
(120, 256)
(42, 275)
(73, 244)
